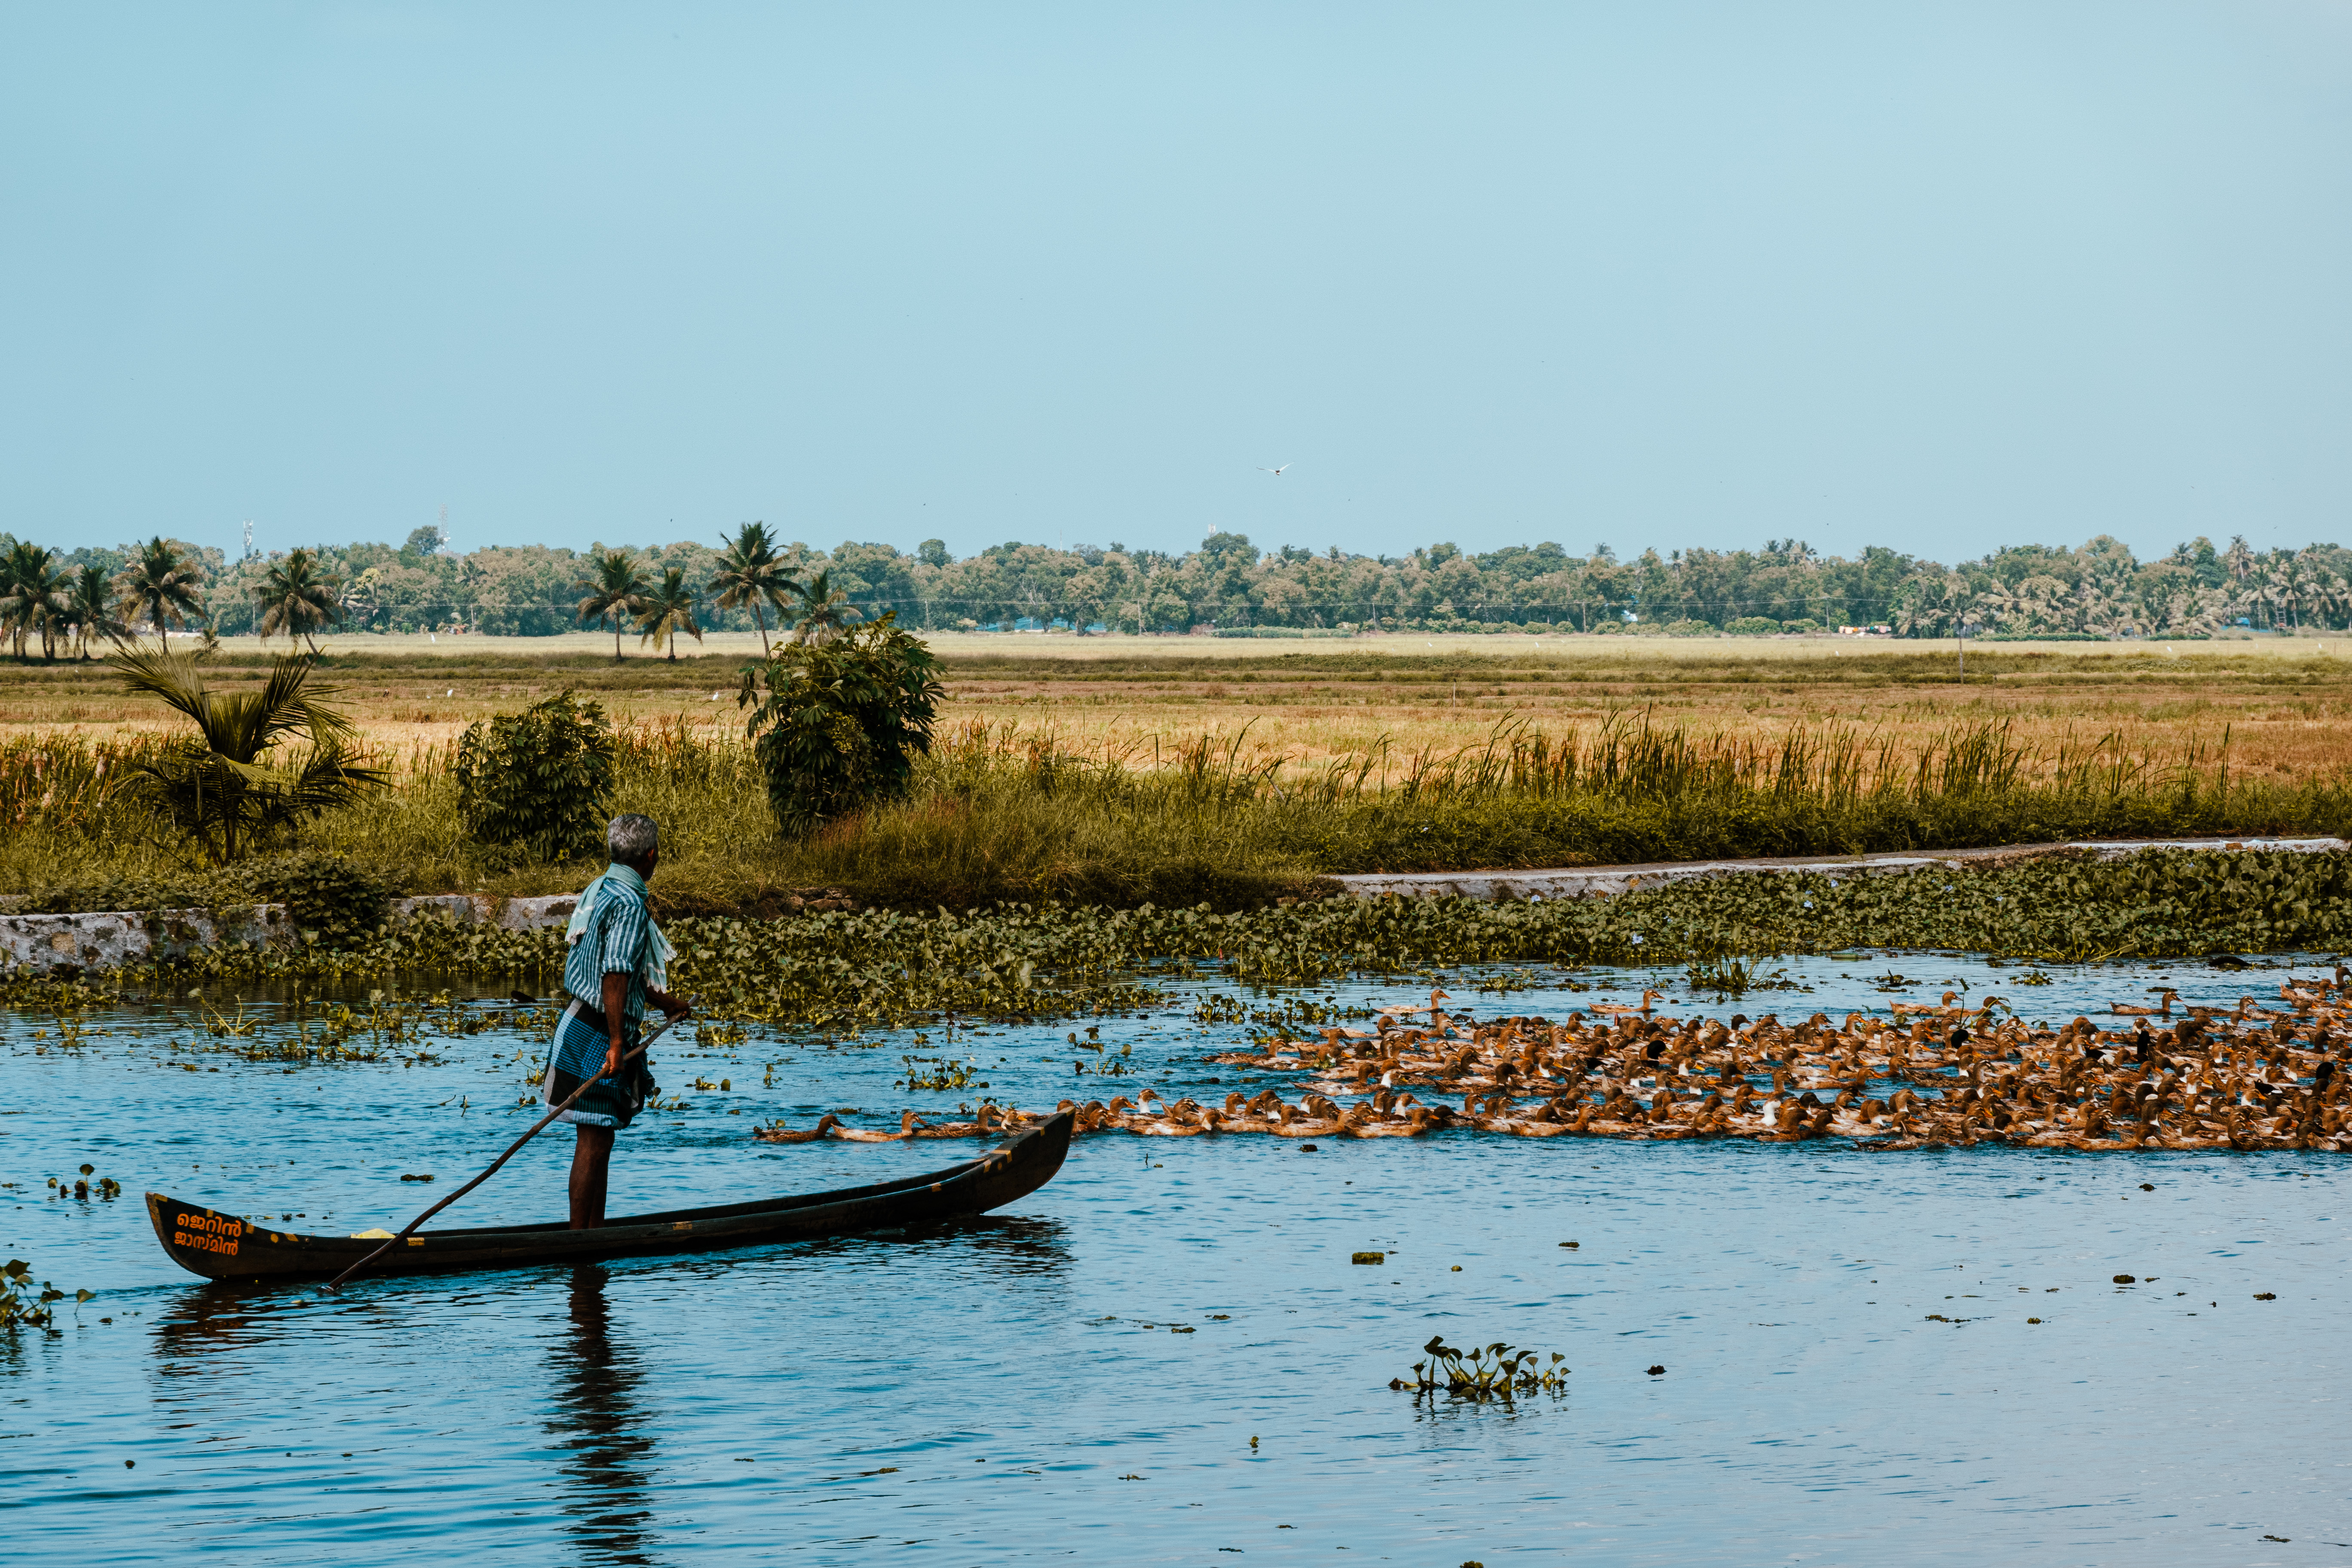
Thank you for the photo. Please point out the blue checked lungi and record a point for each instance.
(577, 1055)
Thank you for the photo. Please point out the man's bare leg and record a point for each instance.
(591, 1159)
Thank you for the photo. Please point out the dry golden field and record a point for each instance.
(2281, 702)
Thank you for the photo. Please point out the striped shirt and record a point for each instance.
(619, 927)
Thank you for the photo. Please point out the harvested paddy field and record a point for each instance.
(1106, 771)
(2282, 702)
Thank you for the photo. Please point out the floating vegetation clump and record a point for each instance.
(1495, 1371)
(106, 1189)
(847, 971)
(21, 1306)
(939, 1073)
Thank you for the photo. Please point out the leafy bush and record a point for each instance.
(1690, 630)
(167, 892)
(839, 724)
(540, 779)
(1805, 623)
(333, 902)
(1752, 627)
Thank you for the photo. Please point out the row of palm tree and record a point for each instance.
(159, 589)
(751, 575)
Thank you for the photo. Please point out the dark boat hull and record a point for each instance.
(227, 1246)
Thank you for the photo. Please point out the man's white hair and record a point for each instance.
(631, 837)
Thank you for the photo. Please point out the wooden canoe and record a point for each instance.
(229, 1246)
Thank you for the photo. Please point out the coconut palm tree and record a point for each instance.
(614, 593)
(32, 596)
(825, 611)
(749, 573)
(220, 786)
(296, 600)
(669, 610)
(90, 610)
(160, 586)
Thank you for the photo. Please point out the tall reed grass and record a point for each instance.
(1008, 811)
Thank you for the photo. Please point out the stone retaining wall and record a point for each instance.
(47, 943)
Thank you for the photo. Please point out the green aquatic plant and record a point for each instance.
(22, 1307)
(844, 972)
(1495, 1371)
(939, 1073)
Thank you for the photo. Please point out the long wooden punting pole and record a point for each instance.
(537, 1128)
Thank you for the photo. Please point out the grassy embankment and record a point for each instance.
(1121, 778)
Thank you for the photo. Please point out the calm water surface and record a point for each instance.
(1020, 1388)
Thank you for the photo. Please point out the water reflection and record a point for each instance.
(1015, 1244)
(204, 1323)
(602, 1428)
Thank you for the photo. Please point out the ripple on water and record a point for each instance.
(1012, 1388)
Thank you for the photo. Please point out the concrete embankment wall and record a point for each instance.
(1601, 882)
(108, 941)
(46, 942)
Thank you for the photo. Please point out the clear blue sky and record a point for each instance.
(1940, 276)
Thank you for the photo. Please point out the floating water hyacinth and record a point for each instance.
(1494, 1371)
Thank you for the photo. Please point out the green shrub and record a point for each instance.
(1802, 625)
(164, 891)
(333, 901)
(1751, 626)
(840, 723)
(540, 779)
(1690, 630)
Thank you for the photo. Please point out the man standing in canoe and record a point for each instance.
(618, 963)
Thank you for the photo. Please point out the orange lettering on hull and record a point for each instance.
(208, 1233)
(199, 1242)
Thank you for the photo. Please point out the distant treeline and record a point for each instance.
(1229, 586)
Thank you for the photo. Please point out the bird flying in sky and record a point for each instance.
(1276, 472)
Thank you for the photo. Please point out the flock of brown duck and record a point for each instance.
(2250, 1076)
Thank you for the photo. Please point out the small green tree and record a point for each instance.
(296, 599)
(226, 787)
(32, 596)
(749, 573)
(838, 724)
(826, 612)
(541, 778)
(614, 593)
(91, 610)
(160, 586)
(669, 610)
